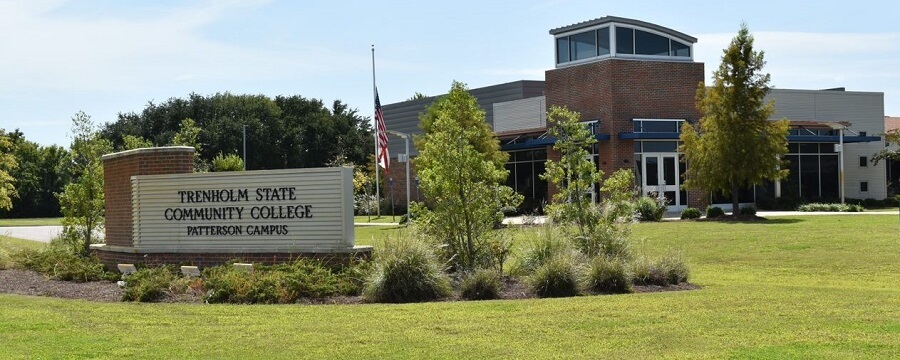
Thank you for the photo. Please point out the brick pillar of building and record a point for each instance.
(616, 91)
(398, 173)
(118, 168)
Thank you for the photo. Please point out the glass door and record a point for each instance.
(662, 179)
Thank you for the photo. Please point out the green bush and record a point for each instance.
(59, 264)
(406, 270)
(669, 269)
(713, 212)
(650, 209)
(690, 213)
(830, 207)
(280, 284)
(148, 284)
(483, 284)
(610, 275)
(556, 278)
(749, 210)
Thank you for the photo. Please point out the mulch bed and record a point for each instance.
(31, 283)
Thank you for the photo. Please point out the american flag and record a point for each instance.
(382, 157)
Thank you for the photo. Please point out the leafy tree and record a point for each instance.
(231, 162)
(417, 96)
(284, 132)
(735, 145)
(82, 201)
(892, 138)
(7, 164)
(41, 172)
(461, 169)
(131, 142)
(574, 175)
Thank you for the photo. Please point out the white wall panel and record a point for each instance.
(244, 219)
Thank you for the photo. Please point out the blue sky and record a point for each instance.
(104, 57)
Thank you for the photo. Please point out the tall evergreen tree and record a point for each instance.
(735, 145)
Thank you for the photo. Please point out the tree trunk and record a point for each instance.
(735, 207)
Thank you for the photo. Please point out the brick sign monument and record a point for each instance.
(158, 211)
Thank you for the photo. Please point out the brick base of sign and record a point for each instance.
(110, 256)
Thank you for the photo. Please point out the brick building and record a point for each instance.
(634, 84)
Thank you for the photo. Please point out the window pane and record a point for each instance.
(863, 161)
(651, 168)
(523, 155)
(829, 173)
(793, 148)
(584, 45)
(669, 170)
(826, 148)
(650, 44)
(636, 126)
(624, 40)
(603, 41)
(679, 49)
(790, 187)
(806, 148)
(864, 186)
(562, 50)
(660, 146)
(660, 126)
(809, 177)
(540, 154)
(637, 147)
(524, 180)
(637, 170)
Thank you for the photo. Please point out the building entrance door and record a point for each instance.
(662, 178)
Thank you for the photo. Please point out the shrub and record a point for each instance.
(282, 284)
(749, 210)
(610, 275)
(556, 278)
(406, 271)
(675, 269)
(59, 264)
(148, 284)
(483, 284)
(690, 213)
(650, 209)
(608, 238)
(365, 204)
(832, 207)
(713, 212)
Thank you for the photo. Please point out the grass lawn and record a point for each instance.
(376, 219)
(31, 222)
(810, 286)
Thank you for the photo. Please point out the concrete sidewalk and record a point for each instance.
(36, 233)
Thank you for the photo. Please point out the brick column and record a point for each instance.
(118, 168)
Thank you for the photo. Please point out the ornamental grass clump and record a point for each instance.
(483, 284)
(406, 270)
(669, 269)
(610, 276)
(558, 277)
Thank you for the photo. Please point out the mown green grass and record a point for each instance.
(376, 219)
(811, 287)
(31, 222)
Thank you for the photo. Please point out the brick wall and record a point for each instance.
(615, 91)
(118, 168)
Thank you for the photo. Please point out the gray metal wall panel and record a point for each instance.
(521, 114)
(404, 116)
(863, 110)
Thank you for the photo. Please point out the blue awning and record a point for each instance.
(542, 142)
(834, 139)
(648, 136)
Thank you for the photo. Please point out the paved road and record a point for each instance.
(36, 233)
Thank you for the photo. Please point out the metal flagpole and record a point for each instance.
(375, 94)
